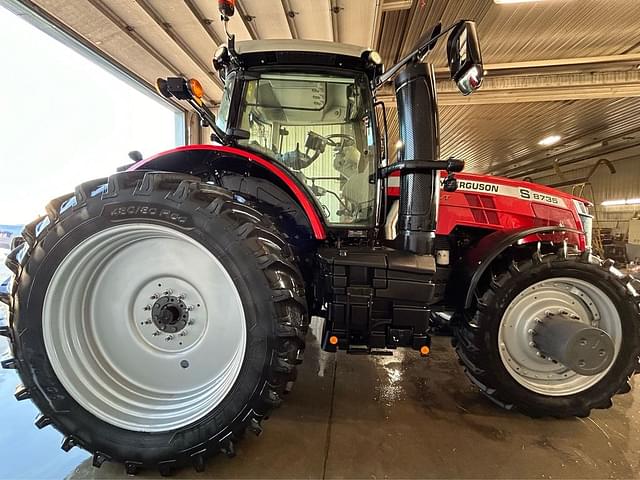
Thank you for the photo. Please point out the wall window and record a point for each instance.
(66, 120)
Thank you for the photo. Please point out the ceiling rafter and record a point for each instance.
(135, 36)
(170, 31)
(290, 14)
(374, 40)
(557, 65)
(335, 11)
(248, 21)
(204, 21)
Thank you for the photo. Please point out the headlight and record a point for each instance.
(587, 220)
(587, 224)
(374, 57)
(221, 57)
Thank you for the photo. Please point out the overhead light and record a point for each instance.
(550, 140)
(614, 203)
(516, 1)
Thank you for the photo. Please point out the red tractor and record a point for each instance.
(159, 313)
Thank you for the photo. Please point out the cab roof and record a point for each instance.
(311, 46)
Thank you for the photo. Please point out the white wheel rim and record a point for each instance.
(117, 361)
(574, 298)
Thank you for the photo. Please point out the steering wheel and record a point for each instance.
(344, 140)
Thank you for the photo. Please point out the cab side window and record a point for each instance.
(222, 119)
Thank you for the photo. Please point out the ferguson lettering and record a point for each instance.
(478, 187)
(507, 191)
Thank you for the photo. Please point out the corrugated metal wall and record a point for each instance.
(469, 131)
(623, 184)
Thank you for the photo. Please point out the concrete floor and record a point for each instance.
(373, 417)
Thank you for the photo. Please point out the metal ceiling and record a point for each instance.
(567, 67)
(551, 29)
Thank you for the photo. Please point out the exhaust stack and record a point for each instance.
(420, 137)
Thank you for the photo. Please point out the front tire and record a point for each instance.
(154, 319)
(496, 344)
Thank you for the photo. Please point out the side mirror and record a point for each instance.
(227, 7)
(465, 59)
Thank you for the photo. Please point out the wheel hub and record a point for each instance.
(585, 349)
(170, 314)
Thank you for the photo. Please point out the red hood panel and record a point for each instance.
(517, 184)
(496, 203)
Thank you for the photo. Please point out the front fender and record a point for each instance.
(193, 157)
(478, 258)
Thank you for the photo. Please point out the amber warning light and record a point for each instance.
(195, 88)
(227, 7)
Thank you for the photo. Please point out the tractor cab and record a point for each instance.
(307, 105)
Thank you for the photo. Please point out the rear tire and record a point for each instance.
(540, 390)
(139, 207)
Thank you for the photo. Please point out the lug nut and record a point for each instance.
(182, 296)
(168, 292)
(148, 307)
(169, 338)
(147, 322)
(531, 331)
(183, 333)
(191, 322)
(155, 296)
(190, 307)
(531, 344)
(156, 333)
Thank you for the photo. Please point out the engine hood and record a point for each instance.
(516, 188)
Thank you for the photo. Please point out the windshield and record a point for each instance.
(320, 127)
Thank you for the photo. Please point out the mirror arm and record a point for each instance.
(207, 117)
(451, 165)
(414, 56)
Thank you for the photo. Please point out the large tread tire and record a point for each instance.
(476, 334)
(273, 298)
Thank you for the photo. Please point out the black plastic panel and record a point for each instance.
(376, 298)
